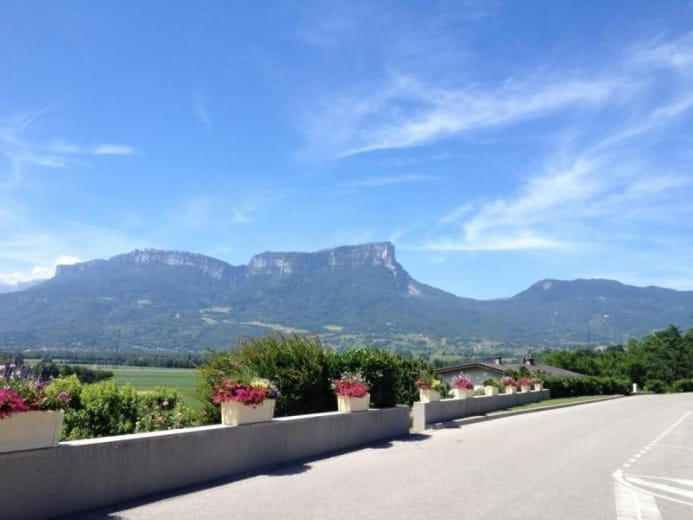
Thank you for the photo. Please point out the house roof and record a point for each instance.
(500, 368)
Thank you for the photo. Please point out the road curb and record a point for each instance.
(456, 423)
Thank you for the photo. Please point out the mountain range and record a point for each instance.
(157, 299)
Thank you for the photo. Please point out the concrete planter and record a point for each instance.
(510, 390)
(491, 390)
(524, 389)
(462, 393)
(350, 404)
(30, 430)
(427, 395)
(538, 386)
(234, 413)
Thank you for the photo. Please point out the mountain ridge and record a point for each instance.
(175, 299)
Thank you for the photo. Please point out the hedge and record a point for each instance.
(573, 386)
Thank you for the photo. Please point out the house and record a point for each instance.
(477, 371)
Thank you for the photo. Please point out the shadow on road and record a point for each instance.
(284, 470)
(414, 437)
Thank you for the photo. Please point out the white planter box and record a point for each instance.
(538, 386)
(234, 413)
(510, 389)
(491, 390)
(30, 430)
(428, 395)
(462, 393)
(524, 389)
(349, 404)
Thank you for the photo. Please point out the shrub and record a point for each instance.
(98, 409)
(296, 364)
(655, 385)
(391, 377)
(682, 385)
(103, 409)
(573, 386)
(303, 370)
(108, 409)
(163, 409)
(490, 381)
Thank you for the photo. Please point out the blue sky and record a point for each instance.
(494, 143)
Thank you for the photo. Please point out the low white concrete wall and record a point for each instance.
(81, 475)
(447, 409)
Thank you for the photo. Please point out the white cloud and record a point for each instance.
(374, 182)
(113, 149)
(37, 272)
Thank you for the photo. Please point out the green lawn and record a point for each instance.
(147, 378)
(557, 402)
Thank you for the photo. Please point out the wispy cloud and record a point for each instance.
(408, 112)
(23, 152)
(377, 181)
(36, 115)
(239, 217)
(677, 54)
(200, 108)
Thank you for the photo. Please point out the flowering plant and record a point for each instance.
(461, 382)
(22, 395)
(250, 394)
(508, 381)
(428, 382)
(525, 382)
(351, 385)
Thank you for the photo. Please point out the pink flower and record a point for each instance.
(11, 402)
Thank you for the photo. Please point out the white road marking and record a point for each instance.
(683, 481)
(661, 487)
(674, 426)
(635, 494)
(632, 504)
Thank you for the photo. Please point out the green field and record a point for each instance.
(148, 378)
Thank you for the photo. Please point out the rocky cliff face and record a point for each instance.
(379, 254)
(209, 267)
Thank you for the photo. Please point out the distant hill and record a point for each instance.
(177, 300)
(19, 286)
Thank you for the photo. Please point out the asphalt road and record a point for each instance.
(625, 459)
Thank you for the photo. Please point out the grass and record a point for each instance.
(147, 378)
(557, 402)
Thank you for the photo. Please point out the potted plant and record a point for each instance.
(429, 388)
(352, 393)
(245, 400)
(525, 385)
(538, 383)
(462, 386)
(509, 384)
(30, 417)
(491, 386)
